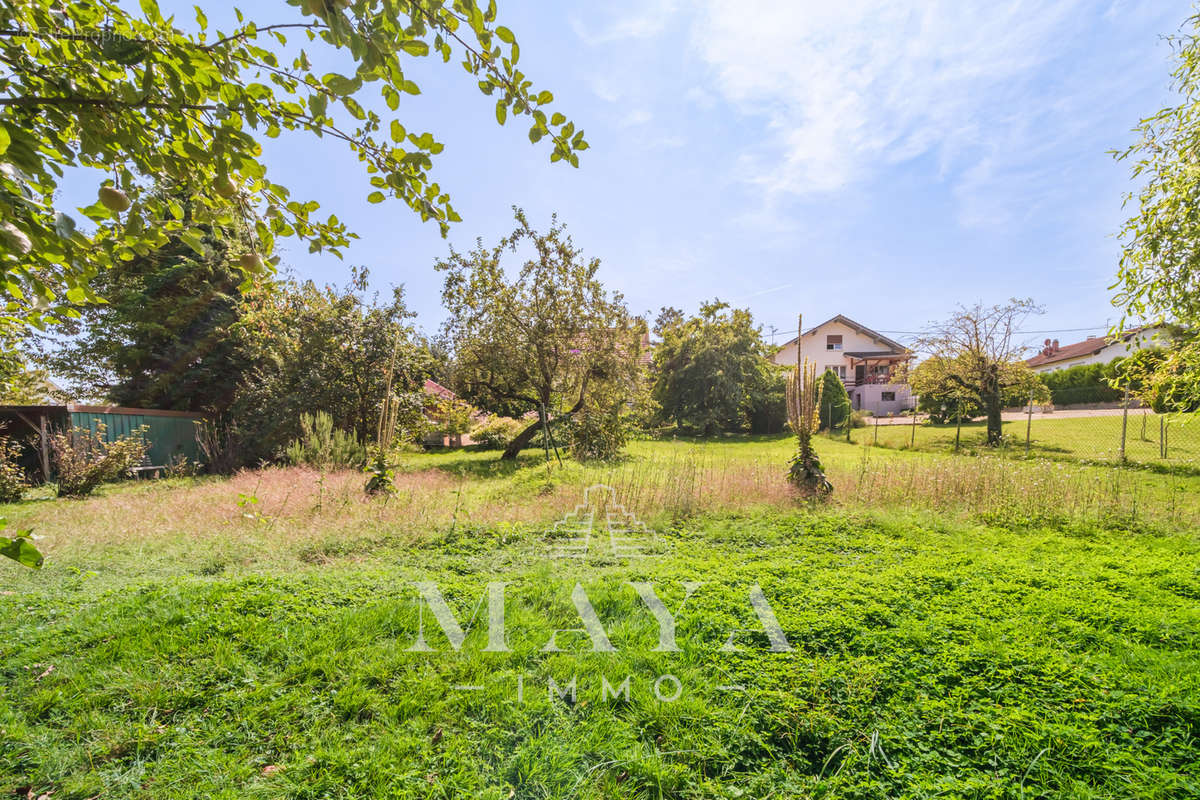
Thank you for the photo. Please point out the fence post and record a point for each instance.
(1029, 423)
(912, 442)
(1162, 452)
(958, 424)
(1143, 423)
(876, 442)
(1124, 422)
(1166, 438)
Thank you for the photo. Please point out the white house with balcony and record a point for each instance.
(864, 359)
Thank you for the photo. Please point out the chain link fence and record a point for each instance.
(1108, 432)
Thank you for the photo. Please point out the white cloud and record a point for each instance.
(845, 88)
(650, 19)
(638, 116)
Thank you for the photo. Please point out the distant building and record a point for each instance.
(864, 359)
(1096, 349)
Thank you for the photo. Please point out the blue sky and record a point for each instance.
(885, 159)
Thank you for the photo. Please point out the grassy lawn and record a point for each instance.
(959, 627)
(1086, 438)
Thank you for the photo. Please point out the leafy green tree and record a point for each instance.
(549, 340)
(835, 402)
(975, 357)
(767, 399)
(709, 368)
(94, 84)
(327, 349)
(1159, 275)
(167, 335)
(1166, 379)
(21, 381)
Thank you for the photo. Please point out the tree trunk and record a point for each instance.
(521, 441)
(994, 428)
(526, 436)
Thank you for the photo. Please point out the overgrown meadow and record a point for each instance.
(958, 627)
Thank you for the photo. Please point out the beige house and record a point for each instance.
(865, 360)
(1096, 349)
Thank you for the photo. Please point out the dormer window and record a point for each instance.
(833, 342)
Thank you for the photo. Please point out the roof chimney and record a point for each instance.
(1054, 344)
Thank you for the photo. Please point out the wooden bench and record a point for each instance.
(146, 468)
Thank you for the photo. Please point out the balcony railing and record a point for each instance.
(869, 380)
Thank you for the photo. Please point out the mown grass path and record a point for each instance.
(931, 659)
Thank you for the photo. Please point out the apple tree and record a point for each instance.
(145, 100)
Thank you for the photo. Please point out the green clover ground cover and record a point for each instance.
(930, 660)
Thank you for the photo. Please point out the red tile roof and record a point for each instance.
(1052, 353)
(432, 387)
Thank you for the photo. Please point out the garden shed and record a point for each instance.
(171, 435)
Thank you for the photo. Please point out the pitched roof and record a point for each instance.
(895, 346)
(433, 387)
(1088, 347)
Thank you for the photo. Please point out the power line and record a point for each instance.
(777, 332)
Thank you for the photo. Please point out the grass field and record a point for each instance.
(960, 627)
(1077, 438)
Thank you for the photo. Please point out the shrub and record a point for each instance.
(767, 409)
(496, 432)
(12, 477)
(448, 416)
(945, 410)
(598, 434)
(835, 403)
(323, 446)
(858, 419)
(1084, 383)
(83, 459)
(180, 466)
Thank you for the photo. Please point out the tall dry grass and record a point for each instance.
(301, 511)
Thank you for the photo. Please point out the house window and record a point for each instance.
(839, 370)
(833, 341)
(887, 397)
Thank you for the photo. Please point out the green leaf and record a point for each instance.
(557, 118)
(194, 239)
(501, 112)
(201, 20)
(505, 34)
(340, 84)
(22, 551)
(4, 139)
(375, 197)
(409, 87)
(415, 47)
(76, 294)
(398, 132)
(545, 97)
(150, 9)
(317, 103)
